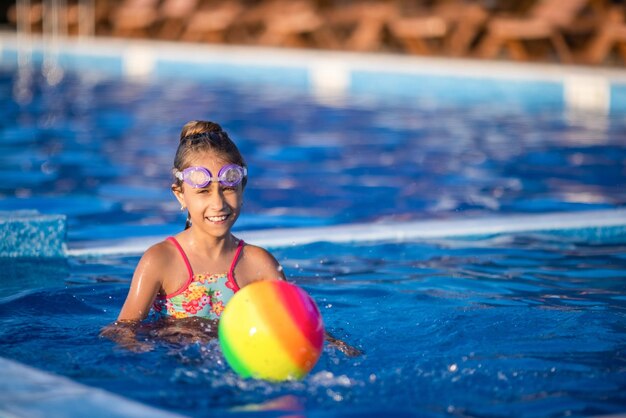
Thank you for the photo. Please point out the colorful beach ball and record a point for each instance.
(271, 330)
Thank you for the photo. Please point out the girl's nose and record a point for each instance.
(216, 201)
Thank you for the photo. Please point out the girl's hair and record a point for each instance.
(202, 136)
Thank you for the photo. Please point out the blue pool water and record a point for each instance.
(513, 324)
(100, 150)
(507, 326)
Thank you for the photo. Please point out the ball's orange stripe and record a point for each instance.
(300, 350)
(293, 300)
(302, 307)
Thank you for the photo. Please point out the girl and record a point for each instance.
(195, 273)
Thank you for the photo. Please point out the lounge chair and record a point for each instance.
(174, 16)
(292, 23)
(134, 18)
(611, 33)
(545, 21)
(74, 17)
(29, 19)
(361, 26)
(453, 26)
(212, 22)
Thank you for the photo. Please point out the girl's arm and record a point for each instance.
(342, 346)
(144, 287)
(124, 333)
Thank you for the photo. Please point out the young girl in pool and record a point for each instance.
(195, 273)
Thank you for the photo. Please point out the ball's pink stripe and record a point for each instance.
(304, 312)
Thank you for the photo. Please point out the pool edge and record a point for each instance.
(330, 75)
(584, 221)
(26, 392)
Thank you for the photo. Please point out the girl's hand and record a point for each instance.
(124, 333)
(345, 348)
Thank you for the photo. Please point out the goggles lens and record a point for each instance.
(197, 177)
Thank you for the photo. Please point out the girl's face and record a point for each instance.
(214, 208)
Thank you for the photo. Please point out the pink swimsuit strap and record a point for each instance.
(231, 271)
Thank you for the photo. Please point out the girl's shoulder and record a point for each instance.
(162, 249)
(258, 255)
(259, 264)
(255, 251)
(159, 255)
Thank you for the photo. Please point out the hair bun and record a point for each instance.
(198, 127)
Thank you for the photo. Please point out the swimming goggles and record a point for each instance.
(198, 177)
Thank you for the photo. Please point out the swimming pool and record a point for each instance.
(527, 324)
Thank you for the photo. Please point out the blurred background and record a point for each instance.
(585, 32)
(500, 125)
(373, 133)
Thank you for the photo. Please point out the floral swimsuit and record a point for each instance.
(204, 295)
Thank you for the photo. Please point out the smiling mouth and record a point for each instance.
(218, 218)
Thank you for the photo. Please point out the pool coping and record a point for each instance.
(297, 58)
(330, 75)
(592, 224)
(29, 233)
(29, 392)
